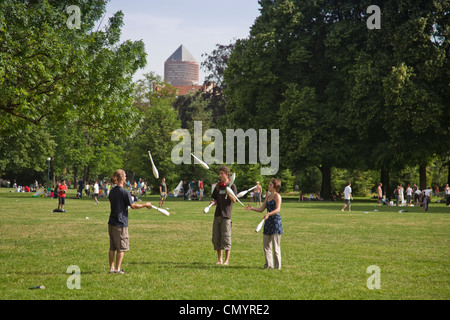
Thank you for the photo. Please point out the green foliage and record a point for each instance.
(52, 72)
(64, 81)
(154, 98)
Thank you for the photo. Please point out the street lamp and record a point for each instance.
(48, 171)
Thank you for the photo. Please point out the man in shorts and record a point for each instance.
(257, 194)
(380, 193)
(347, 197)
(120, 199)
(221, 236)
(62, 190)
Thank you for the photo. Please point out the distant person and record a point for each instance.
(417, 195)
(120, 199)
(200, 188)
(408, 195)
(87, 190)
(80, 187)
(191, 190)
(426, 198)
(347, 197)
(447, 195)
(273, 228)
(62, 190)
(401, 194)
(380, 193)
(162, 192)
(96, 191)
(257, 194)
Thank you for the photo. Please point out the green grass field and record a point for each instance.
(325, 253)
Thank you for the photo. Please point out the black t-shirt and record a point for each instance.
(224, 204)
(120, 199)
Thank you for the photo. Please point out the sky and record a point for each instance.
(197, 24)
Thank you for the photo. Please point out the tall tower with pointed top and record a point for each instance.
(181, 68)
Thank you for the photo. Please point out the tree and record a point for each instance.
(154, 99)
(400, 88)
(291, 72)
(53, 77)
(50, 71)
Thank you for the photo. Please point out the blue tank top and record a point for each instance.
(273, 224)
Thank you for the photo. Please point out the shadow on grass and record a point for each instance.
(189, 265)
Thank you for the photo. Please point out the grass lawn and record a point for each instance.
(325, 253)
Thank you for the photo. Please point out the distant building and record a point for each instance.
(181, 71)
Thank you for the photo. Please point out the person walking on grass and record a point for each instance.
(120, 199)
(96, 191)
(347, 197)
(273, 228)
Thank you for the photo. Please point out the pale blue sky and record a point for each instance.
(197, 24)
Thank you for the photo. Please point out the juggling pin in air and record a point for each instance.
(203, 164)
(243, 193)
(155, 171)
(231, 194)
(233, 177)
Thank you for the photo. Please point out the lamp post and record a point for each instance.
(48, 171)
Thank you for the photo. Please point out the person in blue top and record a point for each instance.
(120, 200)
(273, 228)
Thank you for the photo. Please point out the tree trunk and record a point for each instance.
(423, 176)
(85, 174)
(325, 189)
(384, 179)
(448, 175)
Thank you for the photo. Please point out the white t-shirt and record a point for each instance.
(347, 192)
(96, 188)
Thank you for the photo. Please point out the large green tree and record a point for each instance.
(154, 98)
(290, 74)
(50, 70)
(400, 88)
(54, 74)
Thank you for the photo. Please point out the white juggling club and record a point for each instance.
(243, 193)
(259, 226)
(207, 208)
(155, 171)
(161, 210)
(231, 193)
(203, 164)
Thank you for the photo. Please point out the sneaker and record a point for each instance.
(120, 271)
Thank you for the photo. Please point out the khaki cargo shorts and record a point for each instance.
(118, 238)
(221, 236)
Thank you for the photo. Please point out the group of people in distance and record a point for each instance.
(121, 199)
(414, 196)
